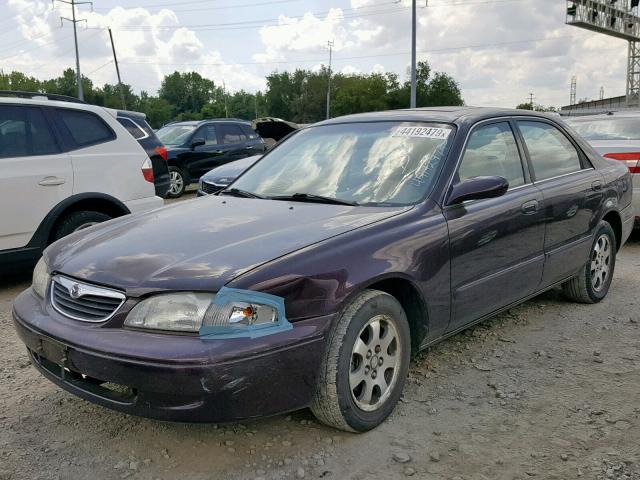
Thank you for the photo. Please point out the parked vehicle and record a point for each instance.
(196, 147)
(271, 129)
(314, 276)
(616, 136)
(64, 166)
(219, 178)
(136, 124)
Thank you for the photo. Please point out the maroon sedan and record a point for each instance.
(314, 276)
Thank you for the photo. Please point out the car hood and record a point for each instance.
(231, 170)
(201, 244)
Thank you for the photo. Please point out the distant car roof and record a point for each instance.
(435, 114)
(200, 122)
(603, 116)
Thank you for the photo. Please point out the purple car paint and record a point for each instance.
(449, 263)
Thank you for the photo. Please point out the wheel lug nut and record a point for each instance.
(374, 374)
(377, 349)
(366, 370)
(369, 354)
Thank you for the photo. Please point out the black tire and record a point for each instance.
(334, 402)
(177, 183)
(77, 221)
(589, 286)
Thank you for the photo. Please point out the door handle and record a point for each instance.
(52, 181)
(596, 186)
(249, 147)
(529, 208)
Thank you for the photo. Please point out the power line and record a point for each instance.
(200, 9)
(356, 57)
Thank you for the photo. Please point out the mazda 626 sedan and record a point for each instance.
(311, 279)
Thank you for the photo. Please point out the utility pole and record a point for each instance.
(224, 96)
(115, 59)
(330, 44)
(255, 103)
(531, 97)
(73, 20)
(412, 102)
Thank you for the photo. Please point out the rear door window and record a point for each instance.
(232, 134)
(25, 131)
(492, 151)
(85, 128)
(133, 128)
(208, 132)
(550, 151)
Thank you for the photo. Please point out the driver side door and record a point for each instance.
(208, 156)
(496, 244)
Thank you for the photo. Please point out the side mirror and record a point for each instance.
(477, 188)
(196, 142)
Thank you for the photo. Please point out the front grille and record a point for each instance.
(84, 302)
(210, 188)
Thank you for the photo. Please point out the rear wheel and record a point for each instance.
(594, 280)
(365, 365)
(177, 183)
(78, 221)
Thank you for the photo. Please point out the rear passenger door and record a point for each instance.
(572, 192)
(34, 173)
(235, 142)
(207, 156)
(496, 244)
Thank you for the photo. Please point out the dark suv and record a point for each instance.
(196, 147)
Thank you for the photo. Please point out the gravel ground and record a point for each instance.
(548, 390)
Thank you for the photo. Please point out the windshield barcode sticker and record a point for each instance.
(422, 132)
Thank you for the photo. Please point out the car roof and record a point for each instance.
(604, 116)
(42, 101)
(210, 120)
(435, 114)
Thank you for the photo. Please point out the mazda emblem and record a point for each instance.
(75, 291)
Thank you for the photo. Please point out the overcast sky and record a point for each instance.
(498, 50)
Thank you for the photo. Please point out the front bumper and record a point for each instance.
(202, 381)
(636, 199)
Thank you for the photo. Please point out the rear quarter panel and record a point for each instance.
(113, 168)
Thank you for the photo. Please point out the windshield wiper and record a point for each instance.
(309, 197)
(236, 192)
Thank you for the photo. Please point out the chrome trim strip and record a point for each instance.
(84, 289)
(538, 182)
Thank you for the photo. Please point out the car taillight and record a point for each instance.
(632, 160)
(162, 151)
(147, 170)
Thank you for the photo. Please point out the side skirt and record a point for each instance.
(492, 314)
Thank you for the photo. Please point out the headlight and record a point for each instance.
(228, 313)
(40, 278)
(181, 312)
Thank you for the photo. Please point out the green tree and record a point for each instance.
(187, 93)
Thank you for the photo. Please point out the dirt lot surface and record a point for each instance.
(548, 390)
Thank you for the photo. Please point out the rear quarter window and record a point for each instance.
(132, 127)
(85, 128)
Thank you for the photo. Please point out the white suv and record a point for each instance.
(64, 166)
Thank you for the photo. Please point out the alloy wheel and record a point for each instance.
(600, 262)
(375, 362)
(177, 183)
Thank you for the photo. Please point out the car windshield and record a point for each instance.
(610, 128)
(374, 163)
(175, 134)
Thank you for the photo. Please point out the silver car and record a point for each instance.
(616, 136)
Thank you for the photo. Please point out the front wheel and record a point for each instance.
(365, 365)
(177, 183)
(77, 221)
(592, 284)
